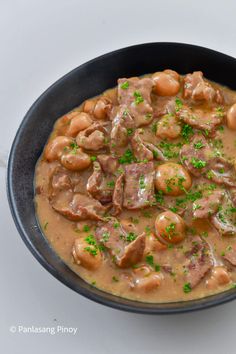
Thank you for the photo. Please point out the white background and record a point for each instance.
(39, 42)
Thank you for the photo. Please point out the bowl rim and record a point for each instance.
(189, 305)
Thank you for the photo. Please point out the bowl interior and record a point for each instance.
(86, 81)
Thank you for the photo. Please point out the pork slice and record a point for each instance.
(140, 150)
(201, 160)
(196, 160)
(199, 119)
(139, 185)
(232, 192)
(199, 261)
(94, 137)
(135, 94)
(112, 235)
(108, 163)
(78, 206)
(222, 172)
(225, 220)
(223, 225)
(164, 105)
(98, 184)
(121, 123)
(117, 198)
(208, 205)
(198, 89)
(60, 180)
(230, 255)
(157, 153)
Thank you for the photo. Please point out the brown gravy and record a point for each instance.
(167, 231)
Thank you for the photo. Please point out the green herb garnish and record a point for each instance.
(197, 163)
(187, 288)
(125, 85)
(138, 97)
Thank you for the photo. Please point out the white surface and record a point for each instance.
(40, 42)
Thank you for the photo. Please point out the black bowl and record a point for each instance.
(86, 81)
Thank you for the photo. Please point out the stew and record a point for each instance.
(136, 188)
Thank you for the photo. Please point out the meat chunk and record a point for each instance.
(108, 163)
(196, 159)
(78, 207)
(141, 152)
(139, 185)
(164, 105)
(157, 153)
(60, 180)
(117, 198)
(232, 193)
(225, 218)
(92, 138)
(208, 205)
(230, 255)
(199, 119)
(122, 122)
(99, 186)
(199, 159)
(224, 225)
(126, 249)
(199, 261)
(135, 94)
(222, 172)
(198, 89)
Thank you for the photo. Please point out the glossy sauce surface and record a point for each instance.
(147, 236)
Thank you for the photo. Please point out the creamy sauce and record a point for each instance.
(168, 262)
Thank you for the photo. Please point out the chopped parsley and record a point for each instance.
(219, 111)
(178, 104)
(86, 228)
(170, 150)
(197, 163)
(74, 148)
(142, 182)
(105, 237)
(187, 132)
(138, 97)
(91, 240)
(116, 225)
(130, 131)
(127, 157)
(131, 236)
(148, 230)
(159, 197)
(187, 288)
(91, 250)
(93, 158)
(198, 145)
(148, 116)
(154, 127)
(111, 184)
(155, 154)
(149, 260)
(125, 85)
